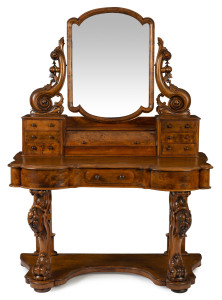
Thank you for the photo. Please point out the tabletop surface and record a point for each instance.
(112, 162)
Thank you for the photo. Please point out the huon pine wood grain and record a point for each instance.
(160, 153)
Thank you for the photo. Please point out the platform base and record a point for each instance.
(152, 266)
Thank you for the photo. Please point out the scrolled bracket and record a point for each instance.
(41, 99)
(179, 99)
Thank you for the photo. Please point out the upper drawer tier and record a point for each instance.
(46, 125)
(179, 150)
(178, 125)
(43, 135)
(35, 136)
(42, 149)
(178, 138)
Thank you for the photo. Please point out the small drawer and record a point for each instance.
(34, 149)
(35, 136)
(45, 125)
(51, 148)
(109, 176)
(178, 126)
(42, 148)
(178, 138)
(179, 150)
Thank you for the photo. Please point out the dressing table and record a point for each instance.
(111, 70)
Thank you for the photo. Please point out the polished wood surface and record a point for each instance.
(67, 266)
(142, 162)
(146, 172)
(160, 153)
(177, 136)
(43, 136)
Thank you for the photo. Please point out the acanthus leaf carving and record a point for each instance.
(40, 224)
(180, 222)
(41, 99)
(181, 218)
(37, 211)
(176, 270)
(179, 99)
(42, 269)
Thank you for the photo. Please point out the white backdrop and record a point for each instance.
(111, 220)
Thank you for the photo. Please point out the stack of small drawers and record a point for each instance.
(43, 136)
(177, 137)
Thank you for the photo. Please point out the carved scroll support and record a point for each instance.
(180, 222)
(39, 222)
(179, 99)
(41, 99)
(52, 235)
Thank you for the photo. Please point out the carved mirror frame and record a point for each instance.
(179, 99)
(78, 21)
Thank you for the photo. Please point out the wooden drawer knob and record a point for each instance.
(34, 148)
(187, 126)
(169, 148)
(186, 148)
(34, 137)
(122, 177)
(50, 148)
(51, 125)
(33, 125)
(169, 126)
(97, 177)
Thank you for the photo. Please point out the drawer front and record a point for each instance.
(180, 181)
(179, 149)
(109, 176)
(175, 126)
(35, 136)
(178, 138)
(110, 138)
(51, 148)
(46, 125)
(110, 151)
(42, 148)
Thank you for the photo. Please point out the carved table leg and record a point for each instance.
(40, 224)
(180, 222)
(53, 252)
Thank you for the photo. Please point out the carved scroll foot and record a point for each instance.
(39, 222)
(42, 268)
(180, 222)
